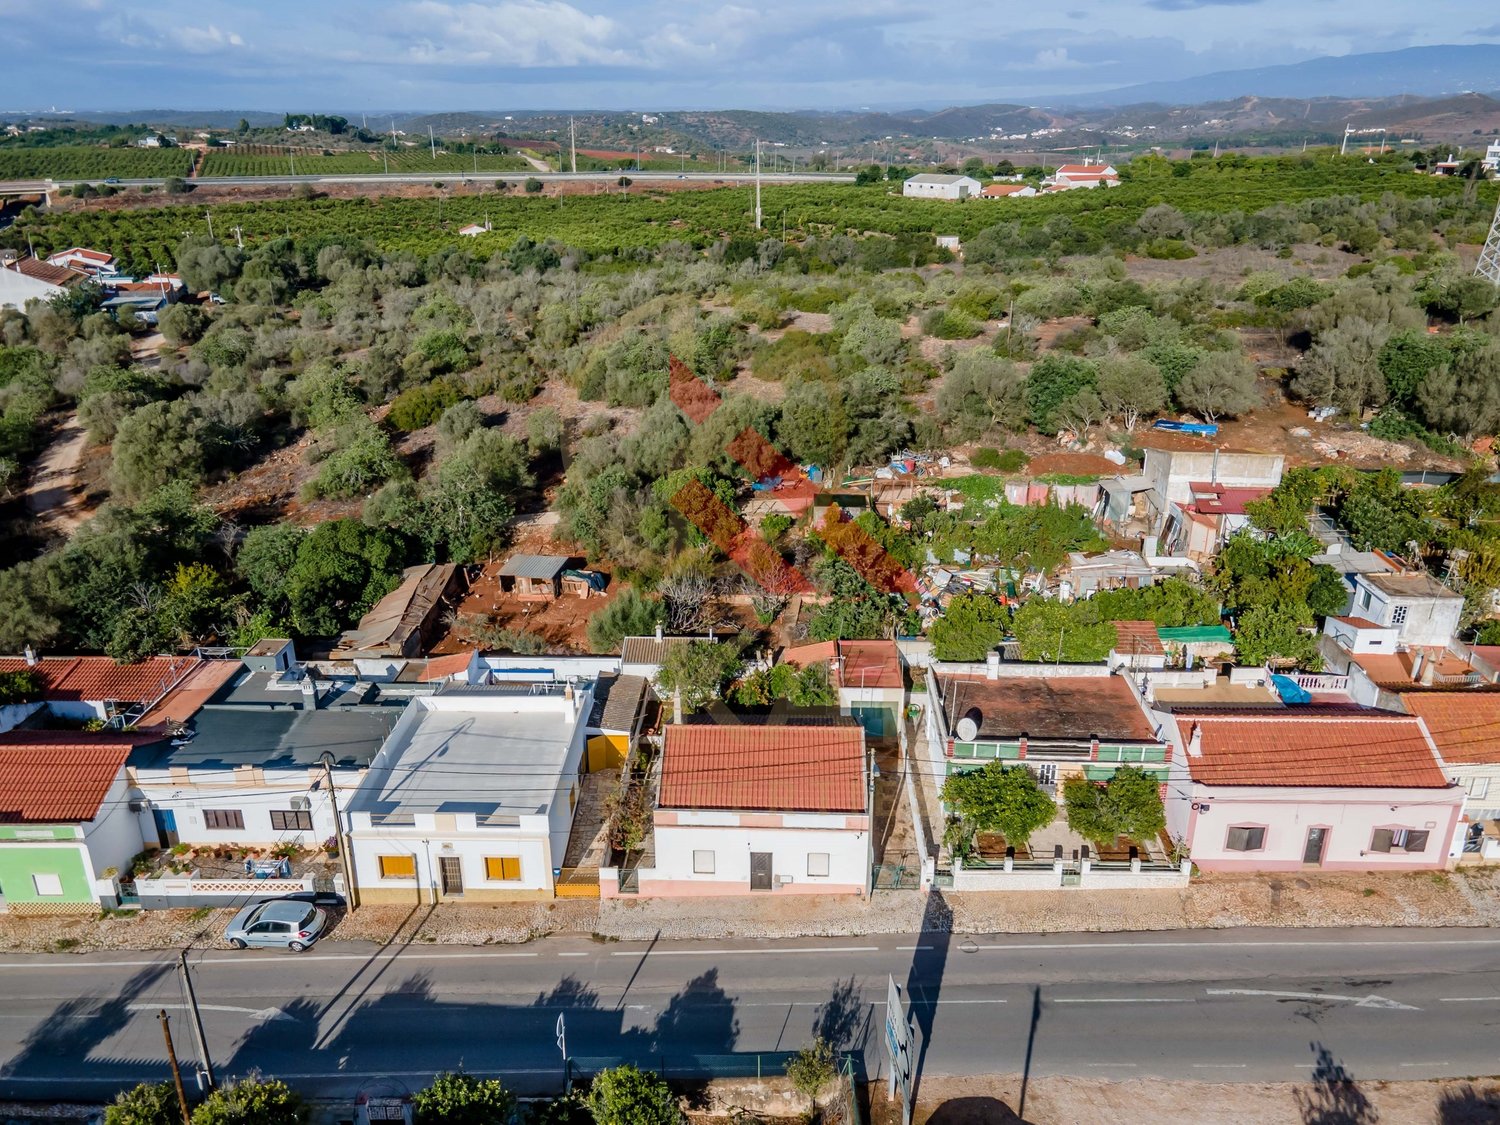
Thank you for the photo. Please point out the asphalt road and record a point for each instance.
(1240, 1005)
(456, 177)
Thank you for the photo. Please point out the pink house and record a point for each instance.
(751, 809)
(1318, 786)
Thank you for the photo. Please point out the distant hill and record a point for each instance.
(1429, 71)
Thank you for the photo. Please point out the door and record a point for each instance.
(452, 869)
(1317, 840)
(760, 871)
(166, 827)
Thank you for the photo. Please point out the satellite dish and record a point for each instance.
(968, 724)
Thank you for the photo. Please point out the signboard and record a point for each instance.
(898, 1047)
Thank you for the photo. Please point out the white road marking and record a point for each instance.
(1208, 945)
(1441, 1062)
(1219, 1066)
(262, 1014)
(1466, 999)
(1131, 1000)
(572, 954)
(1126, 1066)
(1370, 1001)
(911, 948)
(744, 952)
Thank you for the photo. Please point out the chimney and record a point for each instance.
(1429, 673)
(992, 665)
(658, 630)
(1195, 742)
(309, 693)
(31, 661)
(677, 706)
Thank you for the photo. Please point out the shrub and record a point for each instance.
(462, 1099)
(533, 185)
(624, 1095)
(1003, 460)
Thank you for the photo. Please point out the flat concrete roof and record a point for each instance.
(468, 752)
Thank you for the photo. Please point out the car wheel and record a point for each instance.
(237, 943)
(297, 946)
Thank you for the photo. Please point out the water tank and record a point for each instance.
(968, 724)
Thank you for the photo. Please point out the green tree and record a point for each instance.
(1220, 385)
(971, 626)
(995, 798)
(1053, 632)
(533, 185)
(700, 670)
(624, 1095)
(1128, 804)
(1131, 388)
(1054, 379)
(150, 1103)
(265, 559)
(1342, 368)
(982, 393)
(455, 1098)
(1381, 514)
(159, 443)
(343, 568)
(252, 1101)
(810, 1071)
(1277, 634)
(628, 614)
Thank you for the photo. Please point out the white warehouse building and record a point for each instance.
(931, 185)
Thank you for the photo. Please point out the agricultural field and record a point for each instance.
(90, 162)
(1222, 198)
(267, 160)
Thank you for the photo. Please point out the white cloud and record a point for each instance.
(204, 40)
(525, 33)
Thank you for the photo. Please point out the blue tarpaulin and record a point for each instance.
(1202, 429)
(1287, 688)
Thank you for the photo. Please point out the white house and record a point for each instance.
(18, 286)
(471, 798)
(749, 808)
(1071, 176)
(251, 769)
(1176, 476)
(931, 185)
(1465, 727)
(82, 258)
(1418, 606)
(1309, 787)
(1492, 156)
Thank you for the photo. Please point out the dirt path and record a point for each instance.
(539, 165)
(52, 494)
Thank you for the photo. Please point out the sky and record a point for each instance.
(348, 56)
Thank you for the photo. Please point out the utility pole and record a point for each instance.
(1344, 148)
(239, 236)
(757, 183)
(209, 215)
(345, 860)
(166, 1031)
(198, 1036)
(573, 144)
(432, 140)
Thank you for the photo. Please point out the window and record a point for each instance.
(47, 884)
(1408, 840)
(1366, 601)
(703, 863)
(817, 864)
(503, 867)
(223, 819)
(398, 866)
(1398, 615)
(1245, 839)
(1478, 787)
(291, 820)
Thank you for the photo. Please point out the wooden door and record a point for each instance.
(452, 870)
(760, 871)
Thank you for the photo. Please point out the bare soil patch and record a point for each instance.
(561, 624)
(1234, 263)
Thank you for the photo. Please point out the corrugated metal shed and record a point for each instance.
(534, 566)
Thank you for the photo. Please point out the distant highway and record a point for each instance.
(738, 178)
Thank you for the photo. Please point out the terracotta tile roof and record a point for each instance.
(83, 252)
(811, 768)
(98, 678)
(1217, 500)
(871, 664)
(46, 271)
(200, 685)
(50, 777)
(1363, 623)
(1464, 724)
(444, 667)
(1384, 669)
(1138, 638)
(1338, 747)
(1002, 189)
(1062, 708)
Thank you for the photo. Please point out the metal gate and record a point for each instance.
(452, 870)
(760, 871)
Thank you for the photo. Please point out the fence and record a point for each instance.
(1086, 874)
(189, 890)
(576, 882)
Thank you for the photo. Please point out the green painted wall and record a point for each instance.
(19, 862)
(39, 832)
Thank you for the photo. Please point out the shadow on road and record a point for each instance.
(1334, 1098)
(924, 980)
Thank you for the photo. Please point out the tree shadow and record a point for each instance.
(839, 1018)
(1467, 1105)
(924, 980)
(1333, 1098)
(570, 992)
(974, 1111)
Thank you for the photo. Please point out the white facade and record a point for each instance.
(1492, 157)
(239, 807)
(16, 289)
(707, 852)
(471, 798)
(1171, 473)
(928, 185)
(1421, 609)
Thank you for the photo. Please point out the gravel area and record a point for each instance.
(993, 1100)
(1469, 897)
